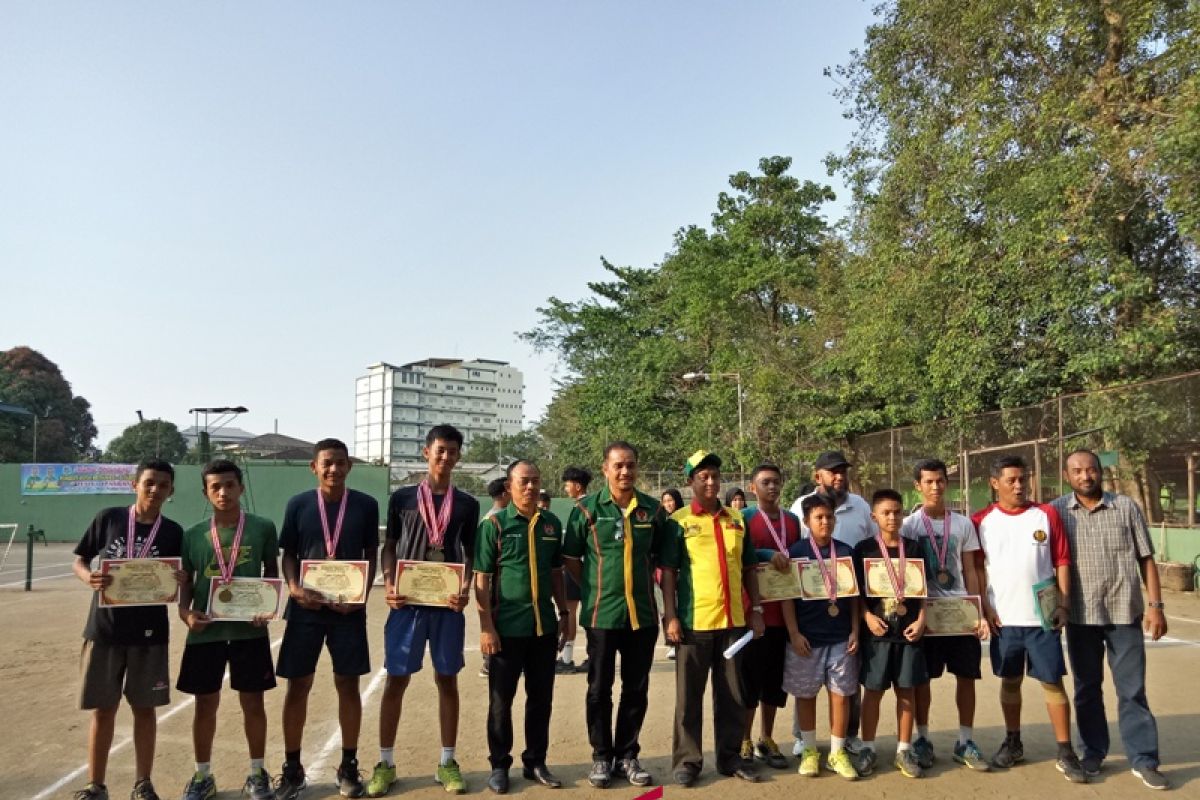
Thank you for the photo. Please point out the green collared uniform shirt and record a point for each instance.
(520, 554)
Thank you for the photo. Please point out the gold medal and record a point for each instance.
(435, 554)
(943, 579)
(901, 609)
(225, 595)
(833, 610)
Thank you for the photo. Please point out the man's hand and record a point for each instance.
(392, 599)
(915, 631)
(99, 581)
(1155, 623)
(781, 562)
(489, 642)
(993, 620)
(852, 644)
(307, 598)
(877, 625)
(195, 620)
(458, 602)
(262, 620)
(674, 631)
(800, 644)
(982, 630)
(344, 608)
(757, 625)
(1060, 617)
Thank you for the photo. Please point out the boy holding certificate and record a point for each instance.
(431, 522)
(231, 544)
(336, 529)
(125, 649)
(891, 653)
(824, 643)
(950, 545)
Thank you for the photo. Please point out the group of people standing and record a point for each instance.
(623, 550)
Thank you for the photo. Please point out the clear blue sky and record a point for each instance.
(247, 203)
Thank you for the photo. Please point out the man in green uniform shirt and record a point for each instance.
(518, 566)
(611, 541)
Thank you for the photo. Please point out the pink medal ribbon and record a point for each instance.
(146, 545)
(227, 568)
(939, 551)
(435, 524)
(828, 574)
(896, 578)
(331, 542)
(781, 536)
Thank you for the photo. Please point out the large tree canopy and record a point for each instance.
(65, 428)
(151, 438)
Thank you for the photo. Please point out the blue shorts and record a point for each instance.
(1033, 650)
(409, 628)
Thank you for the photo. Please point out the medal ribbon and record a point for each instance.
(896, 578)
(146, 545)
(331, 542)
(780, 537)
(939, 552)
(227, 568)
(533, 571)
(828, 574)
(435, 524)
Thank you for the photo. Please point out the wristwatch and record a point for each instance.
(759, 609)
(1159, 605)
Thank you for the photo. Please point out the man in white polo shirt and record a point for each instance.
(1025, 549)
(853, 523)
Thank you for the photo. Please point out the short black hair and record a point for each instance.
(929, 465)
(1083, 451)
(156, 464)
(620, 444)
(220, 466)
(816, 500)
(885, 494)
(447, 433)
(330, 444)
(1007, 462)
(496, 488)
(508, 471)
(766, 466)
(544, 496)
(736, 491)
(578, 475)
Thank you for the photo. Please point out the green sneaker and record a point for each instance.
(840, 763)
(450, 777)
(381, 780)
(810, 762)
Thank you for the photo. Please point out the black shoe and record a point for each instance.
(744, 774)
(686, 777)
(498, 780)
(540, 774)
(290, 783)
(1068, 765)
(349, 779)
(1091, 765)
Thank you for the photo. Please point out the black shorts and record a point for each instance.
(960, 655)
(886, 663)
(574, 592)
(302, 642)
(762, 669)
(202, 670)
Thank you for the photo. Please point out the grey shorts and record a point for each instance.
(828, 665)
(138, 671)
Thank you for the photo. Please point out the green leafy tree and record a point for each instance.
(486, 450)
(65, 429)
(151, 438)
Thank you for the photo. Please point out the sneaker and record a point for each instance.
(200, 788)
(746, 753)
(450, 777)
(1068, 765)
(349, 779)
(291, 782)
(631, 770)
(924, 750)
(1011, 752)
(970, 755)
(563, 668)
(1091, 765)
(866, 762)
(483, 668)
(601, 774)
(797, 747)
(382, 779)
(906, 761)
(258, 786)
(143, 790)
(810, 762)
(93, 791)
(671, 653)
(853, 745)
(1152, 777)
(766, 750)
(840, 763)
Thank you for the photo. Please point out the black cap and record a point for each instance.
(832, 459)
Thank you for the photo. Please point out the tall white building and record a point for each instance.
(396, 406)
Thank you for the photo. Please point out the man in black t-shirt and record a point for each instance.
(422, 527)
(332, 522)
(125, 649)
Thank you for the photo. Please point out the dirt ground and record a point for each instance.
(43, 752)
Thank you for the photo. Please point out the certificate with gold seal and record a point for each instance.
(428, 583)
(337, 581)
(812, 583)
(879, 582)
(140, 582)
(775, 585)
(244, 599)
(953, 616)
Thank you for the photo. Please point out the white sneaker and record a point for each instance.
(798, 747)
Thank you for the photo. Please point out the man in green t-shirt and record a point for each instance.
(231, 544)
(518, 568)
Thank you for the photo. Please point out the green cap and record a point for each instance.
(698, 459)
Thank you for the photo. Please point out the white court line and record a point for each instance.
(121, 745)
(35, 580)
(335, 738)
(20, 570)
(1183, 619)
(1170, 641)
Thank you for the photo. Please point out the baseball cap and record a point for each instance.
(698, 459)
(831, 459)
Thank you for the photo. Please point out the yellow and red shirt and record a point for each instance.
(709, 552)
